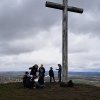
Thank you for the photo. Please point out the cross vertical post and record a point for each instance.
(65, 8)
(65, 42)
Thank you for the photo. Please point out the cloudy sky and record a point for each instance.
(30, 33)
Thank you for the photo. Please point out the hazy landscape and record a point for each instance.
(78, 77)
(87, 87)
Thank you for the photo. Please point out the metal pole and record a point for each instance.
(65, 42)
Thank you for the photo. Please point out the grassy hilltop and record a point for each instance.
(15, 91)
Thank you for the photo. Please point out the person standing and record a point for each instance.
(51, 74)
(34, 70)
(41, 75)
(59, 72)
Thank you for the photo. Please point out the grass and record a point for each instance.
(15, 91)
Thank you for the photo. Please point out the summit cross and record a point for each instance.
(65, 8)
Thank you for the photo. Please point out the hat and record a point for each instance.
(26, 72)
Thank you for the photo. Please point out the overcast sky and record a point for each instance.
(31, 34)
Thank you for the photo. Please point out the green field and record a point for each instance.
(15, 91)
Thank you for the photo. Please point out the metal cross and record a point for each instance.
(65, 8)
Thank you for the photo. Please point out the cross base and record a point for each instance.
(68, 84)
(62, 84)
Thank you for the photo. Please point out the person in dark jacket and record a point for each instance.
(28, 82)
(41, 75)
(26, 76)
(34, 70)
(59, 72)
(51, 74)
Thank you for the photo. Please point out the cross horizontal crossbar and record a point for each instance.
(61, 7)
(54, 5)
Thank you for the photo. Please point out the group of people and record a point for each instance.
(28, 79)
(39, 73)
(51, 73)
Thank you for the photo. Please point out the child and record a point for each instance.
(51, 74)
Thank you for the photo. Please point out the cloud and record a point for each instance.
(31, 33)
(88, 22)
(25, 18)
(84, 52)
